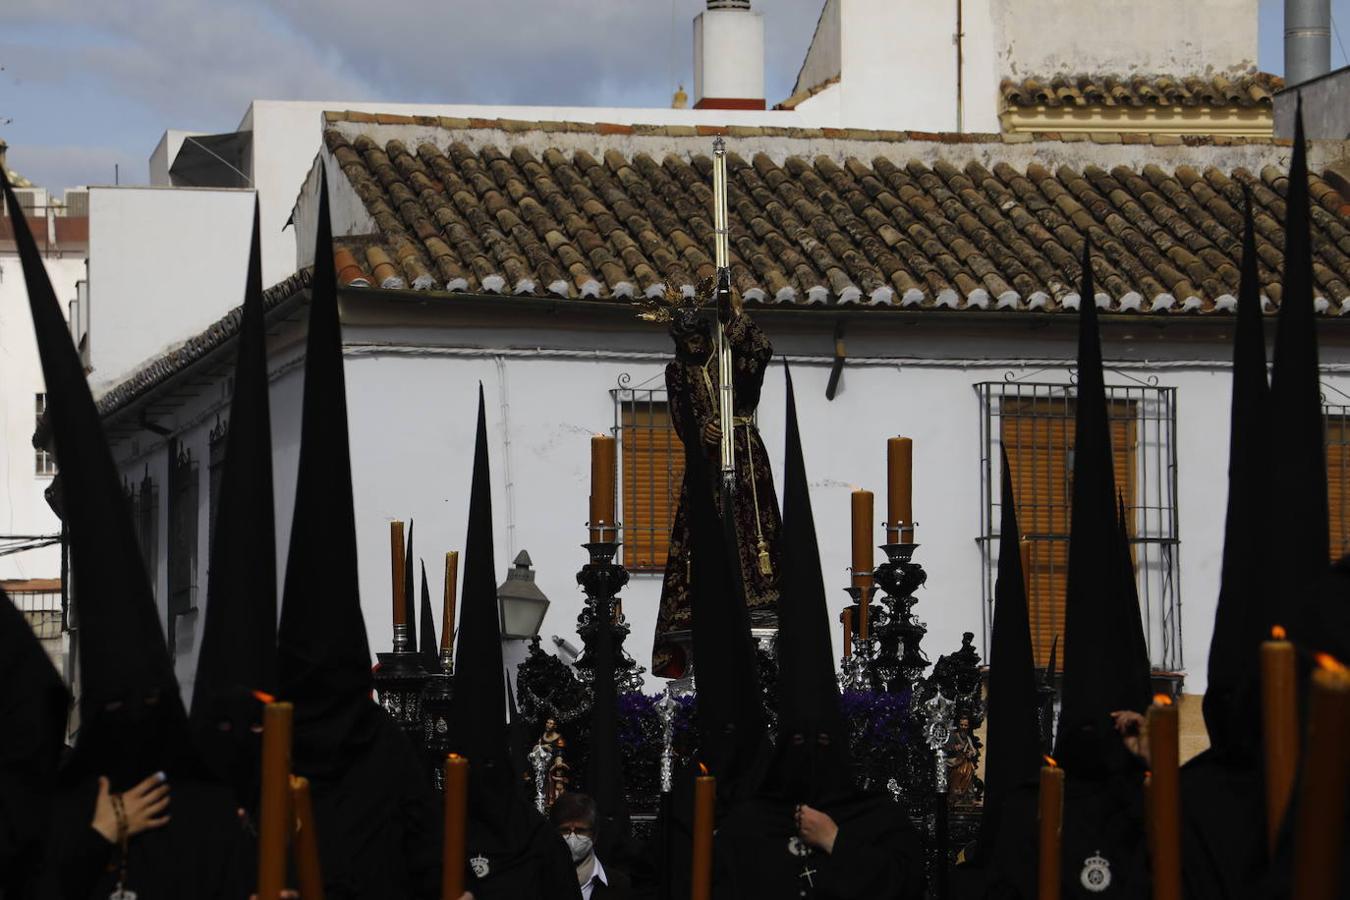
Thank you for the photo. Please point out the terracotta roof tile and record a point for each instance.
(542, 220)
(1244, 92)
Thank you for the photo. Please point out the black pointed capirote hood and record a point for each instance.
(1299, 516)
(1012, 743)
(122, 654)
(1053, 662)
(604, 765)
(808, 691)
(729, 712)
(478, 727)
(1242, 618)
(427, 645)
(1094, 683)
(239, 638)
(323, 654)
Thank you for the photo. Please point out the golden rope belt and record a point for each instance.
(765, 564)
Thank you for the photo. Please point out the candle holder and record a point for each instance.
(602, 579)
(437, 692)
(541, 757)
(666, 708)
(399, 679)
(900, 662)
(603, 532)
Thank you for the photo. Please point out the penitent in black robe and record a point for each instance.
(876, 854)
(201, 853)
(539, 867)
(377, 818)
(1103, 840)
(1223, 837)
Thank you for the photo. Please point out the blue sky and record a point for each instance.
(89, 86)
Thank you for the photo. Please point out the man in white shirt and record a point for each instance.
(574, 815)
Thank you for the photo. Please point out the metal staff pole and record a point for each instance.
(722, 255)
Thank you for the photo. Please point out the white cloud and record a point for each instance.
(124, 72)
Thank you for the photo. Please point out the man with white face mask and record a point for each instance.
(574, 816)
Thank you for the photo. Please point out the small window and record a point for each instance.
(1337, 436)
(652, 471)
(1035, 425)
(183, 494)
(44, 463)
(146, 511)
(215, 472)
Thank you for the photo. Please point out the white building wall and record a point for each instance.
(191, 424)
(412, 401)
(1197, 37)
(899, 63)
(23, 509)
(164, 263)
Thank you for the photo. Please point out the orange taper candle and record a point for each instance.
(899, 490)
(1051, 813)
(1320, 828)
(604, 456)
(307, 870)
(448, 611)
(1164, 805)
(862, 538)
(1279, 728)
(396, 562)
(274, 805)
(847, 618)
(456, 821)
(705, 794)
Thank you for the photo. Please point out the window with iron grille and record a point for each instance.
(214, 472)
(182, 534)
(1034, 422)
(44, 463)
(1337, 435)
(146, 511)
(651, 471)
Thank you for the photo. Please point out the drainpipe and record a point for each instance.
(1307, 40)
(960, 71)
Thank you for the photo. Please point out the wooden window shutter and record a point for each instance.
(1337, 432)
(1038, 435)
(653, 468)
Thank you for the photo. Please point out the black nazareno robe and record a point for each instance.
(876, 853)
(1104, 850)
(201, 853)
(33, 706)
(1223, 836)
(376, 816)
(692, 391)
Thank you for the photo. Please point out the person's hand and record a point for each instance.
(1133, 730)
(712, 433)
(816, 828)
(144, 807)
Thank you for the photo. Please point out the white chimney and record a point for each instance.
(729, 56)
